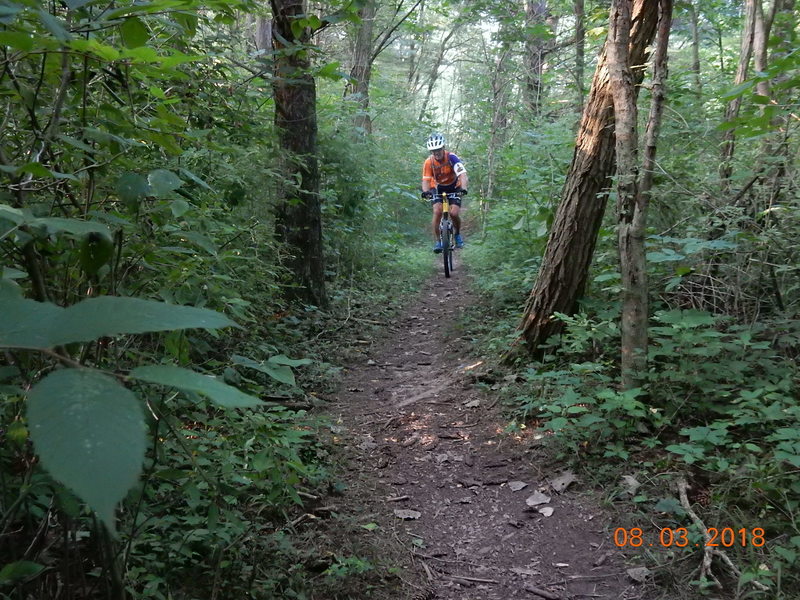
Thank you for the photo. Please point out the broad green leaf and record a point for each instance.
(738, 90)
(75, 143)
(31, 324)
(218, 392)
(199, 239)
(134, 32)
(74, 226)
(131, 188)
(76, 4)
(179, 58)
(162, 182)
(8, 11)
(189, 175)
(16, 39)
(279, 372)
(280, 359)
(180, 207)
(36, 169)
(55, 26)
(89, 432)
(19, 570)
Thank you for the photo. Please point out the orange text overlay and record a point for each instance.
(636, 537)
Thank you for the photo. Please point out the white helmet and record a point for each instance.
(435, 141)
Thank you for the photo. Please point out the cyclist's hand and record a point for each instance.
(428, 194)
(462, 192)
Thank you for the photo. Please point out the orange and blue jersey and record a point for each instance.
(444, 173)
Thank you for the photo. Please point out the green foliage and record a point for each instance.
(89, 432)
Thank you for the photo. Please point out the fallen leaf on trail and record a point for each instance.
(472, 404)
(410, 441)
(465, 500)
(468, 482)
(407, 515)
(630, 484)
(521, 571)
(368, 443)
(516, 486)
(639, 574)
(537, 498)
(563, 481)
(547, 511)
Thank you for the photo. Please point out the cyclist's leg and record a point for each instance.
(454, 210)
(437, 217)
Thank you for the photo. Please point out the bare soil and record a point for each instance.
(435, 474)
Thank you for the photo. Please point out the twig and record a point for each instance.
(475, 579)
(542, 593)
(428, 571)
(709, 552)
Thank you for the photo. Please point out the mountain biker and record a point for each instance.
(443, 172)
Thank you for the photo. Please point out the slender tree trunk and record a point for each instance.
(565, 266)
(298, 218)
(434, 74)
(499, 120)
(536, 48)
(361, 71)
(417, 43)
(732, 110)
(630, 217)
(580, 52)
(695, 68)
(633, 196)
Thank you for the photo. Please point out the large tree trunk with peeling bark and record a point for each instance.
(565, 266)
(299, 217)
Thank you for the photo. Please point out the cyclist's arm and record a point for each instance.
(461, 174)
(428, 183)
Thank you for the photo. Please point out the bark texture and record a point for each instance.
(732, 110)
(299, 218)
(565, 266)
(361, 71)
(580, 52)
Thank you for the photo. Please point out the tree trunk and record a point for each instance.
(695, 26)
(536, 48)
(434, 74)
(732, 110)
(630, 217)
(565, 266)
(499, 120)
(361, 71)
(580, 52)
(298, 218)
(633, 196)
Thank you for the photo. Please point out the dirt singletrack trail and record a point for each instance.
(479, 516)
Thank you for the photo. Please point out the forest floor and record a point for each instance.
(476, 512)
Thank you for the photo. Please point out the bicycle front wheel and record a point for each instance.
(447, 251)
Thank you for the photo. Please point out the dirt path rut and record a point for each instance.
(482, 520)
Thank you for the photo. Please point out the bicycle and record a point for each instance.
(447, 235)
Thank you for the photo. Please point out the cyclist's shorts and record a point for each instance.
(452, 197)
